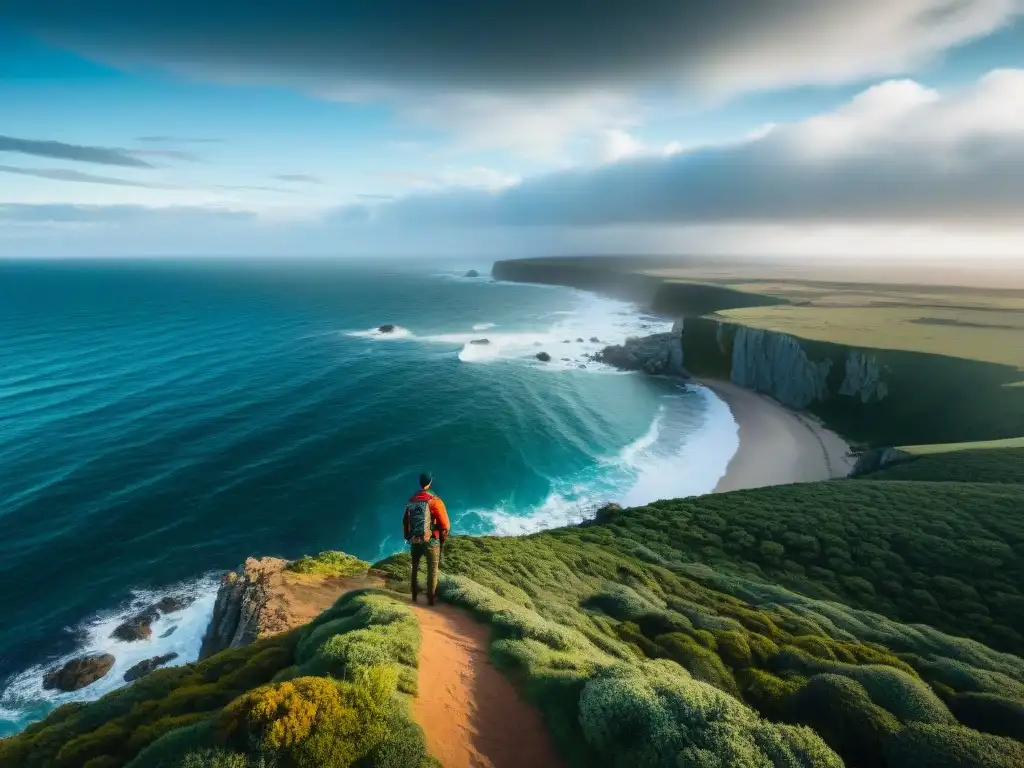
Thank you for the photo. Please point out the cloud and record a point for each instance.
(177, 140)
(517, 46)
(61, 213)
(520, 75)
(60, 151)
(61, 174)
(898, 152)
(169, 154)
(301, 178)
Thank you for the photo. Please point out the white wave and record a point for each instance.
(482, 326)
(676, 457)
(694, 464)
(24, 699)
(375, 333)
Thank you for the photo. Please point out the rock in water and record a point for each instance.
(239, 605)
(78, 673)
(544, 357)
(579, 339)
(172, 604)
(386, 329)
(472, 273)
(481, 342)
(594, 340)
(147, 666)
(137, 627)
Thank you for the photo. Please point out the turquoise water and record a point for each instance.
(160, 421)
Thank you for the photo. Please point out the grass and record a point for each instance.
(981, 445)
(332, 693)
(962, 465)
(329, 563)
(874, 622)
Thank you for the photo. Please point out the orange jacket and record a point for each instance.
(438, 515)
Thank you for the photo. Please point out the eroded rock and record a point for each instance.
(148, 665)
(78, 673)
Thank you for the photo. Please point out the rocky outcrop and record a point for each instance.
(137, 627)
(78, 673)
(148, 665)
(544, 357)
(472, 273)
(388, 328)
(863, 378)
(658, 354)
(776, 365)
(241, 600)
(879, 458)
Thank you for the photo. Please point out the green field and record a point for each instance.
(869, 622)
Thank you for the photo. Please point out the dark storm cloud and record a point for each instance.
(301, 178)
(61, 174)
(515, 45)
(60, 151)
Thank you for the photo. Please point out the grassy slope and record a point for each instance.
(325, 695)
(758, 628)
(981, 445)
(962, 465)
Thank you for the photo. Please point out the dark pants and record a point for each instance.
(432, 551)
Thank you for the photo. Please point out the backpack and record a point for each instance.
(420, 527)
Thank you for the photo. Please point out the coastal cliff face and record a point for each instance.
(241, 603)
(776, 364)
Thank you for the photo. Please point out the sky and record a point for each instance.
(875, 128)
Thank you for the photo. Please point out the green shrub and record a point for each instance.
(840, 710)
(329, 563)
(924, 745)
(989, 713)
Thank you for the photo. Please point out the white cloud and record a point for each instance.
(618, 145)
(897, 152)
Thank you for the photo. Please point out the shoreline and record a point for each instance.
(778, 445)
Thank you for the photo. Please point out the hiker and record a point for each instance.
(425, 526)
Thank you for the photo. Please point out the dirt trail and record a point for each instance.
(472, 715)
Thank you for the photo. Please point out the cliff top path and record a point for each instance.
(472, 715)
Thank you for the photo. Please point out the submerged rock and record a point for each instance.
(481, 342)
(170, 631)
(386, 329)
(78, 673)
(147, 666)
(472, 273)
(544, 357)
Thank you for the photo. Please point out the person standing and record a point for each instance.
(425, 526)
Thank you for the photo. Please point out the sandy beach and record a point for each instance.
(777, 445)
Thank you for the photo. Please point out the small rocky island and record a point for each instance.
(472, 273)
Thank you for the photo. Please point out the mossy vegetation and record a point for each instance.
(871, 622)
(629, 632)
(962, 465)
(329, 563)
(332, 693)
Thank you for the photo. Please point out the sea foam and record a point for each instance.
(24, 699)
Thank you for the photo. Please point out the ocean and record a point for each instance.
(160, 421)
